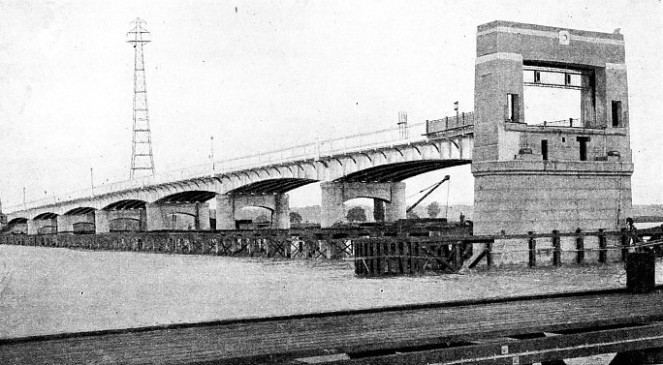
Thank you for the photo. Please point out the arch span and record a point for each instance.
(46, 216)
(193, 196)
(184, 210)
(127, 204)
(272, 186)
(77, 220)
(400, 171)
(18, 225)
(80, 211)
(111, 217)
(18, 220)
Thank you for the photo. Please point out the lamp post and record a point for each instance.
(92, 181)
(456, 109)
(211, 155)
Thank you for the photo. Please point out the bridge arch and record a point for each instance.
(44, 223)
(185, 208)
(18, 220)
(77, 220)
(18, 225)
(80, 211)
(125, 204)
(46, 216)
(189, 196)
(270, 186)
(396, 172)
(182, 221)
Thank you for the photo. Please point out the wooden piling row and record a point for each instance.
(401, 256)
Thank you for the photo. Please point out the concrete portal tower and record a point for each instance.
(551, 147)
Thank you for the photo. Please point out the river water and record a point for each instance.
(54, 290)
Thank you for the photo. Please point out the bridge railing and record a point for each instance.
(449, 123)
(405, 134)
(569, 123)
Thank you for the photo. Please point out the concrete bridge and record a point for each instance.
(370, 165)
(564, 174)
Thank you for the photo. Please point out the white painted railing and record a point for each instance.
(365, 141)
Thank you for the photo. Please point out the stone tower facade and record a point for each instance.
(572, 170)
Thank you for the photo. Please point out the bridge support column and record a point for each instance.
(65, 224)
(395, 209)
(44, 225)
(101, 221)
(225, 212)
(177, 216)
(378, 210)
(281, 212)
(203, 223)
(154, 219)
(227, 205)
(33, 229)
(331, 205)
(334, 194)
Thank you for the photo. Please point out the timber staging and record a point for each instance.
(521, 330)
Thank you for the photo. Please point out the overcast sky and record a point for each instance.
(262, 75)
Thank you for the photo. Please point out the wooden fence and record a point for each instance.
(270, 244)
(405, 255)
(372, 256)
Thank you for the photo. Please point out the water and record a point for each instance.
(54, 290)
(648, 225)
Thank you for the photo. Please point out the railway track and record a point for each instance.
(515, 330)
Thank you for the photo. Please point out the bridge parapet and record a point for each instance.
(208, 173)
(459, 123)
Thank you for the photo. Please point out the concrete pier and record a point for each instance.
(228, 204)
(335, 194)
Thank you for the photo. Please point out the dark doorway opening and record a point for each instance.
(583, 147)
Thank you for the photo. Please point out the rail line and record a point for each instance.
(513, 330)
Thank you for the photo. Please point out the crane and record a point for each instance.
(432, 188)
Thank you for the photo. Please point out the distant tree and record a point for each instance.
(433, 209)
(356, 214)
(295, 218)
(412, 215)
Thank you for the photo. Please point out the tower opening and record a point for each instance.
(558, 96)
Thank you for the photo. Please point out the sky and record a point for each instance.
(265, 75)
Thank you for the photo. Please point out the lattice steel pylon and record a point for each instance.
(141, 148)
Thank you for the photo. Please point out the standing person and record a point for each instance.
(632, 232)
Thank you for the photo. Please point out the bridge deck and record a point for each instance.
(456, 332)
